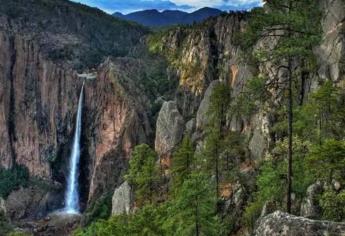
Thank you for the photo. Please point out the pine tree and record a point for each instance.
(182, 163)
(327, 161)
(143, 173)
(295, 26)
(215, 131)
(193, 212)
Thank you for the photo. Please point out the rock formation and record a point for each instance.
(169, 131)
(40, 60)
(283, 224)
(122, 200)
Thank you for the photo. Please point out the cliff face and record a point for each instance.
(40, 88)
(41, 55)
(209, 51)
(200, 56)
(37, 105)
(118, 122)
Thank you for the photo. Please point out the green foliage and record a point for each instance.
(12, 179)
(143, 173)
(193, 211)
(272, 179)
(296, 23)
(183, 162)
(215, 132)
(252, 213)
(254, 94)
(333, 205)
(147, 221)
(327, 161)
(18, 233)
(319, 118)
(115, 226)
(219, 105)
(100, 209)
(5, 226)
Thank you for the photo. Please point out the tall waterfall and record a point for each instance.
(72, 195)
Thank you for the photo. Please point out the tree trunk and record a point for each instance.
(217, 174)
(290, 121)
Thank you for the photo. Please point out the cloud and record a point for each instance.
(126, 6)
(224, 4)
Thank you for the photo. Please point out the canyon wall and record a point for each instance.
(39, 96)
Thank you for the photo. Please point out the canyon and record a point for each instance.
(145, 88)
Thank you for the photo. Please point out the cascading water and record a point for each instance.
(72, 195)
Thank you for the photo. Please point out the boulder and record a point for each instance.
(169, 129)
(31, 203)
(22, 203)
(310, 206)
(283, 224)
(258, 143)
(122, 200)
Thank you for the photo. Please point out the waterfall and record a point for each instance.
(72, 195)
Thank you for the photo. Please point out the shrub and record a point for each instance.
(5, 227)
(333, 205)
(12, 179)
(100, 209)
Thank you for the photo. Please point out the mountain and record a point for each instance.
(47, 48)
(68, 31)
(154, 18)
(171, 119)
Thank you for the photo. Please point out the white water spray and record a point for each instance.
(72, 195)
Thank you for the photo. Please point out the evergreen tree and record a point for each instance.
(215, 131)
(327, 161)
(193, 212)
(320, 118)
(182, 163)
(295, 27)
(143, 173)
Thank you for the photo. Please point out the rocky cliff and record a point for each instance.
(41, 57)
(42, 51)
(203, 55)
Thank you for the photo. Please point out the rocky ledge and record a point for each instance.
(283, 224)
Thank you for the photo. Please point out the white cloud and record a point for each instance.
(217, 3)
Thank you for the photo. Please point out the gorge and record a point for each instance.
(163, 118)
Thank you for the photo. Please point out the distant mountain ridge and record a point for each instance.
(154, 18)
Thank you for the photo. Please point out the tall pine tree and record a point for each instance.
(143, 173)
(215, 131)
(294, 26)
(193, 212)
(182, 163)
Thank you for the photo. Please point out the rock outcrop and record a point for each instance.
(169, 131)
(199, 55)
(331, 53)
(310, 207)
(122, 200)
(31, 202)
(283, 224)
(202, 117)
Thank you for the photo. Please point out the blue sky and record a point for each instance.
(126, 6)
